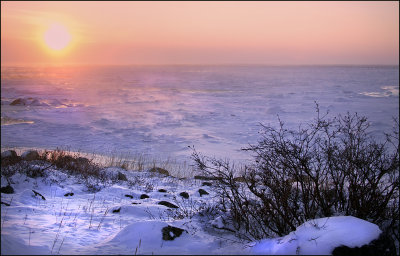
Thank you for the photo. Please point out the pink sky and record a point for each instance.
(281, 33)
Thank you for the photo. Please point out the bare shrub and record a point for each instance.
(329, 167)
(74, 164)
(187, 208)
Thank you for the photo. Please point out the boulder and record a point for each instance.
(169, 233)
(27, 101)
(9, 154)
(203, 192)
(144, 196)
(168, 204)
(129, 196)
(18, 102)
(159, 170)
(30, 155)
(9, 157)
(162, 190)
(7, 189)
(117, 210)
(122, 176)
(199, 177)
(206, 183)
(184, 195)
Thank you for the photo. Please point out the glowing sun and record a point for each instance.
(57, 37)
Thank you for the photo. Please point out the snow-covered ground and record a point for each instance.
(115, 220)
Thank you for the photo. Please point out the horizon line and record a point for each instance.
(195, 64)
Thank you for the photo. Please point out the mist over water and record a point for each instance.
(161, 110)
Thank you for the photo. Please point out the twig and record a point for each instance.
(61, 245)
(102, 218)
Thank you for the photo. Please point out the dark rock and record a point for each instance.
(9, 157)
(199, 177)
(203, 192)
(38, 194)
(169, 233)
(122, 176)
(168, 204)
(162, 190)
(27, 101)
(144, 196)
(30, 155)
(18, 102)
(184, 195)
(69, 194)
(129, 196)
(8, 153)
(206, 184)
(117, 210)
(7, 189)
(159, 170)
(383, 245)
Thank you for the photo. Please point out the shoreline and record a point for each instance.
(133, 162)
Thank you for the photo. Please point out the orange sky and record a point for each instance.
(203, 32)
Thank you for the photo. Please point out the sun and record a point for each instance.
(57, 37)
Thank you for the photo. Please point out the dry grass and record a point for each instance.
(90, 164)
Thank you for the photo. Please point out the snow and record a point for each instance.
(160, 111)
(218, 222)
(320, 237)
(86, 224)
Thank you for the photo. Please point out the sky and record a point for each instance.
(210, 32)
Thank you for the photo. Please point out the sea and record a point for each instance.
(165, 111)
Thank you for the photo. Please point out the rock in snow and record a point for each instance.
(144, 196)
(321, 236)
(30, 155)
(184, 195)
(169, 233)
(168, 204)
(7, 189)
(122, 176)
(203, 192)
(8, 153)
(159, 170)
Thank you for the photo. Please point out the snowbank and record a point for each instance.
(321, 236)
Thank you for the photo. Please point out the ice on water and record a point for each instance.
(161, 110)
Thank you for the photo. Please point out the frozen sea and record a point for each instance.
(161, 110)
